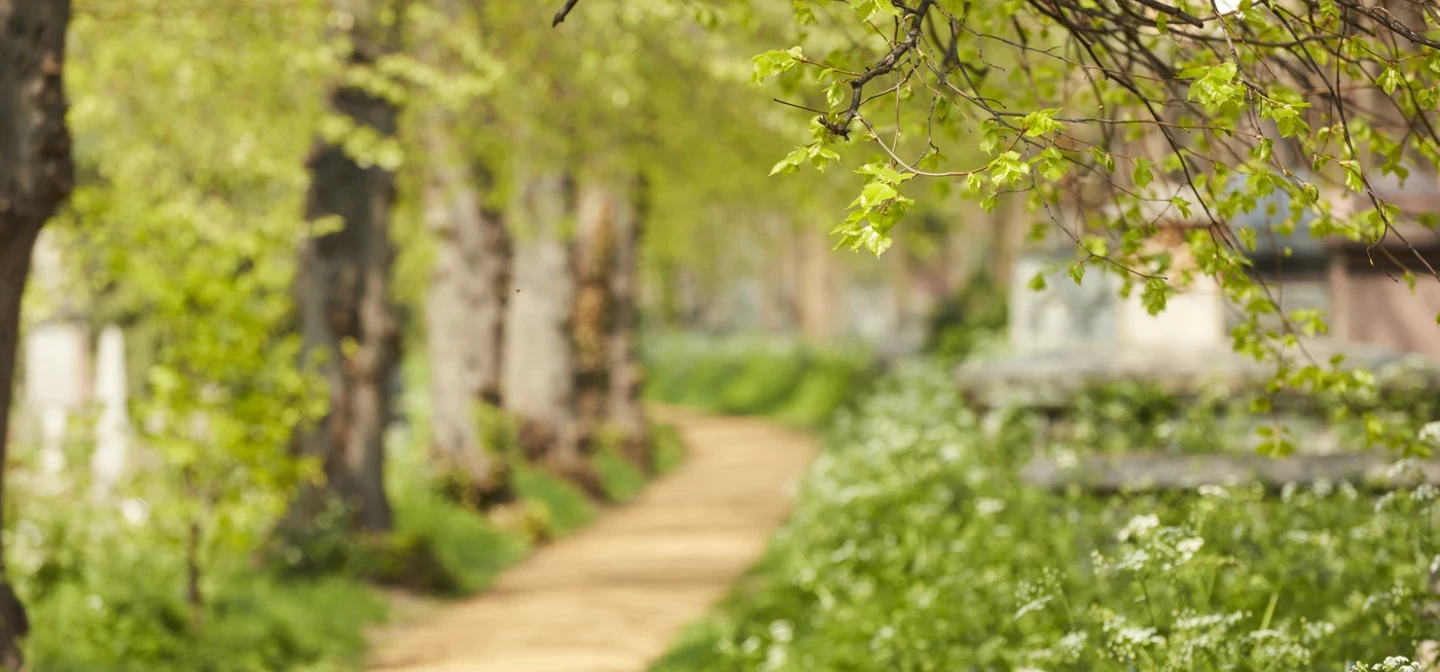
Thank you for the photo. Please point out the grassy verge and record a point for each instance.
(794, 383)
(106, 580)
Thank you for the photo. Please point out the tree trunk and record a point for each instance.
(594, 305)
(343, 292)
(819, 286)
(776, 285)
(36, 175)
(626, 412)
(1008, 237)
(465, 317)
(539, 364)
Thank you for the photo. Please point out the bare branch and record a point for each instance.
(564, 12)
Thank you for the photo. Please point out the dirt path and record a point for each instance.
(612, 597)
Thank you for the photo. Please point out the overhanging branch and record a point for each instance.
(564, 12)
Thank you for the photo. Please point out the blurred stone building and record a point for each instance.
(1359, 287)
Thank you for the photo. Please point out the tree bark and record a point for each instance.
(777, 300)
(540, 370)
(594, 304)
(343, 292)
(608, 376)
(465, 314)
(817, 288)
(36, 176)
(626, 413)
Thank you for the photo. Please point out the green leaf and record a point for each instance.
(1103, 158)
(1262, 151)
(1155, 295)
(1008, 169)
(1182, 204)
(1141, 174)
(791, 162)
(1353, 178)
(804, 16)
(875, 193)
(774, 62)
(1037, 283)
(1053, 164)
(1389, 80)
(1040, 122)
(990, 136)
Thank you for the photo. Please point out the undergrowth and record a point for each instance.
(915, 546)
(105, 578)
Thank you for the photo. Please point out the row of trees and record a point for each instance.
(262, 190)
(270, 197)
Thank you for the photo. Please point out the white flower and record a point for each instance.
(782, 630)
(1384, 501)
(1067, 459)
(1139, 526)
(1189, 547)
(1032, 605)
(1137, 637)
(1072, 642)
(881, 635)
(1214, 491)
(135, 511)
(1401, 468)
(1430, 433)
(1134, 561)
(1424, 493)
(1397, 664)
(950, 452)
(988, 506)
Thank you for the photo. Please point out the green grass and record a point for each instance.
(794, 383)
(620, 479)
(668, 446)
(472, 549)
(562, 506)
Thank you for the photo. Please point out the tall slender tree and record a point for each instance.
(465, 301)
(343, 282)
(625, 412)
(36, 176)
(540, 378)
(595, 252)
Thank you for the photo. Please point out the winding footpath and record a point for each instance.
(612, 597)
